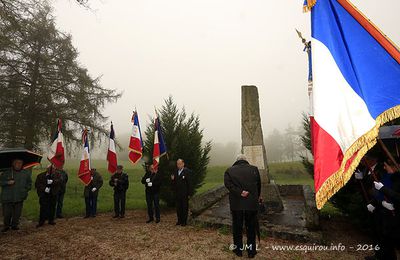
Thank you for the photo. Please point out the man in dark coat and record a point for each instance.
(152, 182)
(61, 193)
(48, 185)
(244, 184)
(182, 186)
(120, 182)
(91, 192)
(15, 185)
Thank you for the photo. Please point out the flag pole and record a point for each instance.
(388, 154)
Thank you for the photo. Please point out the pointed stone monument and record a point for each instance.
(253, 146)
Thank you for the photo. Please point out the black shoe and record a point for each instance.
(60, 216)
(157, 221)
(150, 220)
(5, 229)
(15, 228)
(87, 216)
(52, 223)
(252, 255)
(39, 225)
(122, 216)
(183, 224)
(238, 252)
(178, 224)
(116, 216)
(93, 216)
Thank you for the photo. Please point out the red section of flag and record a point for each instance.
(135, 142)
(84, 166)
(327, 155)
(396, 133)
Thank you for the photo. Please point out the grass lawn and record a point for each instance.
(74, 205)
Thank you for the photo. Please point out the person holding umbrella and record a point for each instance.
(15, 183)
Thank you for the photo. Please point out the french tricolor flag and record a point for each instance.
(159, 148)
(56, 154)
(356, 89)
(84, 166)
(135, 143)
(112, 152)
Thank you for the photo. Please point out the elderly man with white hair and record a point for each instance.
(244, 184)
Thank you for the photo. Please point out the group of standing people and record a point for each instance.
(50, 185)
(379, 181)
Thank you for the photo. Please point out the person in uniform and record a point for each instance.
(15, 185)
(91, 193)
(152, 182)
(244, 184)
(48, 185)
(120, 182)
(61, 193)
(182, 186)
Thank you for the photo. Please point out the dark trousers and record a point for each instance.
(60, 203)
(119, 203)
(11, 213)
(249, 217)
(91, 205)
(150, 200)
(47, 208)
(182, 206)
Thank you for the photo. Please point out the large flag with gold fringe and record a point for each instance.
(356, 89)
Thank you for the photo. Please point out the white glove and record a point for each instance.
(149, 184)
(148, 180)
(370, 208)
(91, 178)
(358, 175)
(387, 205)
(94, 189)
(378, 185)
(49, 182)
(47, 190)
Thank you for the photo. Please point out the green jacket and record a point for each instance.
(19, 190)
(97, 182)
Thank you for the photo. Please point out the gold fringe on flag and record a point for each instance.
(358, 149)
(307, 7)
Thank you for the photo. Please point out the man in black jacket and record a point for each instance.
(48, 186)
(152, 182)
(182, 186)
(91, 193)
(244, 184)
(120, 182)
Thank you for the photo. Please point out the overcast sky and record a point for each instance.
(201, 52)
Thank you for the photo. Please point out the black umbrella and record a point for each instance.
(9, 154)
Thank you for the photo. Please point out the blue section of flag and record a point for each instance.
(368, 68)
(136, 122)
(112, 133)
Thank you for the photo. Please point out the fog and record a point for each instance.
(201, 52)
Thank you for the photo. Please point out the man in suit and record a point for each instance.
(120, 182)
(48, 185)
(15, 185)
(152, 182)
(244, 184)
(182, 186)
(91, 192)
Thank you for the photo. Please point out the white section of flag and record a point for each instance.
(337, 108)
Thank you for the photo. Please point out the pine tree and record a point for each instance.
(184, 139)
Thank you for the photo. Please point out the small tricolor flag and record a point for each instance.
(112, 152)
(84, 167)
(159, 148)
(135, 143)
(56, 154)
(356, 90)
